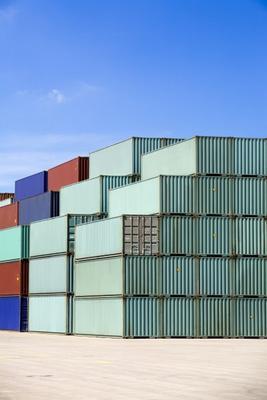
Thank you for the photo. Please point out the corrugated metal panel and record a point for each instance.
(250, 196)
(9, 216)
(13, 313)
(103, 276)
(14, 278)
(251, 236)
(214, 155)
(216, 317)
(99, 238)
(177, 235)
(142, 275)
(250, 276)
(216, 276)
(72, 171)
(142, 317)
(50, 314)
(179, 276)
(73, 221)
(179, 317)
(250, 156)
(111, 182)
(251, 317)
(39, 207)
(98, 316)
(31, 186)
(51, 275)
(14, 243)
(213, 195)
(214, 236)
(176, 195)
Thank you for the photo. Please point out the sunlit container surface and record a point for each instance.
(6, 202)
(90, 196)
(52, 314)
(109, 316)
(14, 243)
(251, 236)
(191, 195)
(208, 155)
(124, 158)
(51, 275)
(55, 235)
(9, 216)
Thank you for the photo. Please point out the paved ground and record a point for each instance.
(52, 367)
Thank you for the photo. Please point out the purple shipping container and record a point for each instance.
(40, 207)
(31, 186)
(14, 313)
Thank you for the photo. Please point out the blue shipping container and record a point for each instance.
(31, 186)
(40, 207)
(14, 313)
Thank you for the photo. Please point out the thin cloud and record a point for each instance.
(57, 96)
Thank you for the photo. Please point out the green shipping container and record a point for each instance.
(123, 317)
(14, 243)
(56, 235)
(124, 158)
(51, 314)
(208, 156)
(90, 196)
(51, 275)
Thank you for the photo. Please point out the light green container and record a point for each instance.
(51, 314)
(51, 275)
(56, 235)
(110, 316)
(124, 158)
(90, 196)
(251, 317)
(14, 243)
(216, 317)
(6, 202)
(208, 155)
(179, 317)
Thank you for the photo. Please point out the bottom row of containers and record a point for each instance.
(137, 316)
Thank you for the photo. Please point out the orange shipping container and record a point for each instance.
(14, 278)
(9, 216)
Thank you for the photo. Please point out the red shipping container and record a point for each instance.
(9, 216)
(14, 277)
(4, 196)
(72, 171)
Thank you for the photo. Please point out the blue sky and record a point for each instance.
(75, 76)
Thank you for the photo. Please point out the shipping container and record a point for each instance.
(250, 276)
(216, 276)
(55, 235)
(9, 216)
(250, 236)
(6, 202)
(123, 317)
(180, 317)
(39, 207)
(208, 156)
(14, 313)
(14, 278)
(209, 195)
(90, 196)
(51, 314)
(6, 196)
(69, 172)
(31, 186)
(51, 275)
(216, 317)
(124, 158)
(251, 317)
(14, 243)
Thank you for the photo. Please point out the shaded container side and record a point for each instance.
(180, 317)
(214, 236)
(249, 156)
(109, 316)
(14, 243)
(251, 317)
(250, 236)
(72, 171)
(14, 313)
(124, 158)
(14, 278)
(250, 196)
(216, 276)
(31, 186)
(51, 314)
(250, 276)
(216, 317)
(214, 155)
(9, 216)
(90, 196)
(177, 236)
(51, 275)
(6, 202)
(39, 207)
(179, 276)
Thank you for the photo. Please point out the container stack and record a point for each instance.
(184, 252)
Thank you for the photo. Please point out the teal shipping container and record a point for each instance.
(51, 314)
(191, 195)
(14, 243)
(122, 317)
(51, 275)
(90, 196)
(55, 235)
(124, 158)
(208, 156)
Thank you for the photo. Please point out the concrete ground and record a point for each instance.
(52, 367)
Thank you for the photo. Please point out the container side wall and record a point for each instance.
(250, 196)
(9, 216)
(251, 236)
(216, 319)
(142, 275)
(214, 236)
(250, 156)
(213, 195)
(31, 186)
(251, 317)
(179, 317)
(11, 244)
(216, 276)
(179, 276)
(250, 276)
